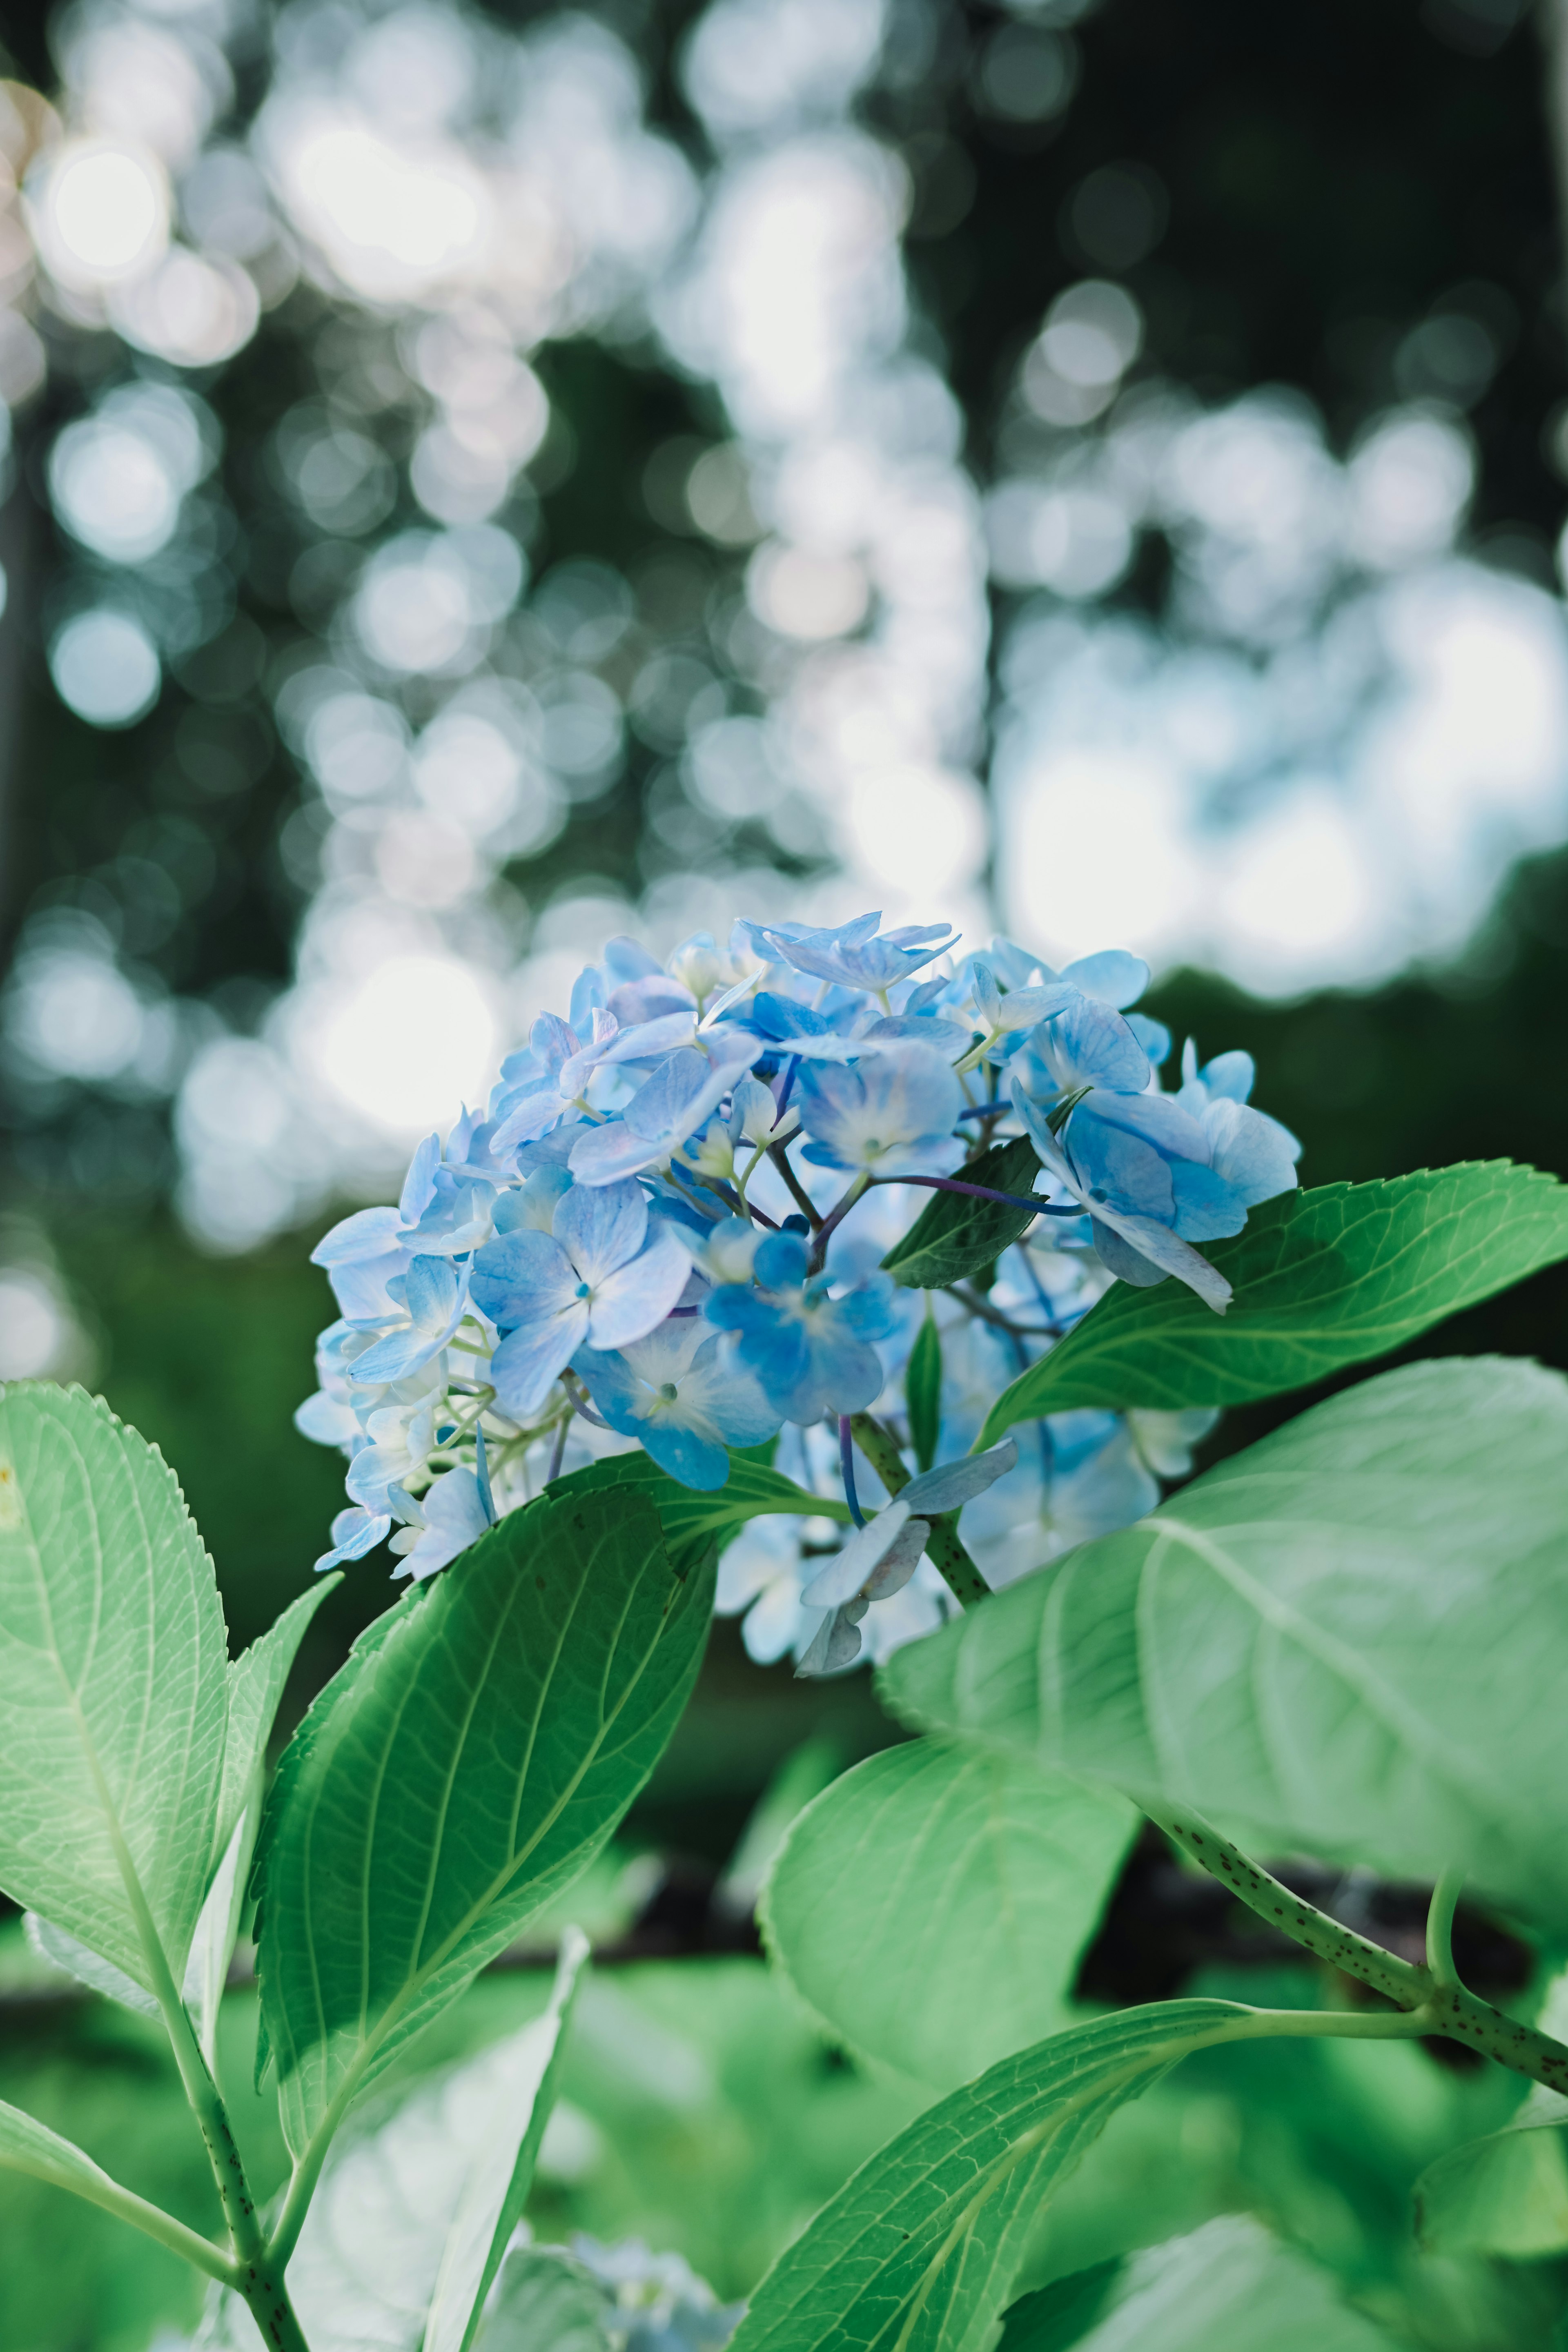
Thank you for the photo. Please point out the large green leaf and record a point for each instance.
(1322, 1279)
(473, 1756)
(501, 2171)
(113, 1665)
(931, 1906)
(692, 1520)
(1506, 2194)
(1352, 1638)
(1229, 2287)
(919, 2251)
(955, 1235)
(393, 2214)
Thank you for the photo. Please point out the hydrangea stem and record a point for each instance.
(1444, 2006)
(943, 1549)
(797, 1192)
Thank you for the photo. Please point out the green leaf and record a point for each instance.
(692, 1520)
(75, 1958)
(113, 1665)
(923, 1391)
(919, 2251)
(1506, 2194)
(401, 2182)
(1351, 1639)
(472, 1757)
(501, 2172)
(1229, 2287)
(546, 2302)
(932, 1904)
(255, 1682)
(1058, 2318)
(955, 1235)
(1322, 1279)
(30, 2146)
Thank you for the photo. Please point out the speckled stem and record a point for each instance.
(1447, 2008)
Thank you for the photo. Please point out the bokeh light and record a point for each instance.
(105, 667)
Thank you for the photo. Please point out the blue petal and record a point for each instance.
(528, 1361)
(369, 1233)
(523, 1276)
(627, 1304)
(1208, 1208)
(354, 1532)
(433, 1288)
(695, 1459)
(781, 1262)
(421, 1177)
(1113, 976)
(1120, 1168)
(601, 1228)
(1087, 1045)
(395, 1357)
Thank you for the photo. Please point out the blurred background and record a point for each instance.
(478, 478)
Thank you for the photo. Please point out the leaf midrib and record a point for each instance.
(418, 1978)
(1398, 1716)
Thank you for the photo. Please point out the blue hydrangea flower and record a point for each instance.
(890, 1114)
(680, 1392)
(576, 1218)
(811, 1352)
(1149, 1176)
(600, 1277)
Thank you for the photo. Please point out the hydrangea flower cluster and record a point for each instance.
(667, 1227)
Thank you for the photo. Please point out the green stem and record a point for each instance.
(1440, 1928)
(151, 2220)
(943, 1549)
(257, 2272)
(1445, 2008)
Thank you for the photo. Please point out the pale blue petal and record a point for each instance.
(1208, 1208)
(528, 1119)
(368, 1233)
(1231, 1074)
(695, 1459)
(421, 1177)
(327, 1422)
(1253, 1152)
(529, 1362)
(627, 1304)
(1120, 1171)
(842, 1577)
(354, 1532)
(455, 1518)
(1159, 1119)
(433, 1295)
(957, 1482)
(1113, 976)
(1161, 1253)
(1087, 1045)
(395, 1357)
(521, 1276)
(601, 1228)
